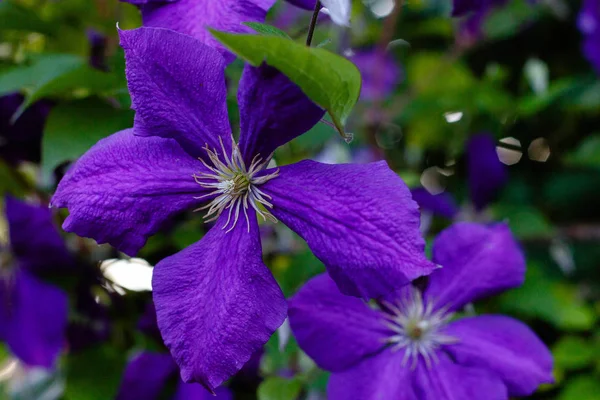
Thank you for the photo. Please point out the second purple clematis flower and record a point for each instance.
(216, 301)
(410, 347)
(33, 314)
(589, 25)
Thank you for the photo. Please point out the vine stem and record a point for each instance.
(313, 23)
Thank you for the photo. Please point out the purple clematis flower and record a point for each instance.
(305, 4)
(21, 140)
(441, 204)
(193, 17)
(216, 301)
(487, 175)
(147, 374)
(589, 25)
(380, 73)
(475, 13)
(410, 347)
(33, 314)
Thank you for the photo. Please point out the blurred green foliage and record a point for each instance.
(525, 79)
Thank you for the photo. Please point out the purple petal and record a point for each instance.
(439, 204)
(380, 377)
(195, 391)
(21, 140)
(449, 381)
(589, 25)
(33, 317)
(380, 73)
(34, 239)
(177, 87)
(477, 261)
(358, 219)
(123, 189)
(306, 4)
(217, 303)
(145, 376)
(143, 2)
(462, 7)
(335, 330)
(591, 49)
(194, 17)
(487, 175)
(505, 346)
(273, 111)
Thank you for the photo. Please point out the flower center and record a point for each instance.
(234, 186)
(417, 327)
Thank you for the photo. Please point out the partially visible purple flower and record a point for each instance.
(589, 25)
(97, 49)
(33, 314)
(216, 301)
(21, 140)
(306, 4)
(474, 12)
(380, 73)
(487, 174)
(194, 17)
(410, 347)
(147, 373)
(438, 204)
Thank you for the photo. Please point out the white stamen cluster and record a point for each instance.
(234, 185)
(417, 328)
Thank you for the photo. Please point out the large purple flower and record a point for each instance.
(410, 347)
(589, 25)
(216, 301)
(193, 17)
(147, 374)
(33, 314)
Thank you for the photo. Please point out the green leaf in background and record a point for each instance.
(587, 154)
(524, 221)
(573, 352)
(584, 387)
(278, 388)
(268, 30)
(42, 69)
(94, 374)
(16, 17)
(328, 79)
(72, 128)
(9, 182)
(553, 301)
(54, 74)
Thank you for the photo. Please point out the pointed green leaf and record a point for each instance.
(331, 81)
(265, 29)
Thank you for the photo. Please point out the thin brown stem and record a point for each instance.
(313, 23)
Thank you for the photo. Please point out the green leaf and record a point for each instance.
(72, 128)
(94, 374)
(329, 80)
(584, 387)
(268, 30)
(553, 301)
(41, 70)
(54, 74)
(16, 17)
(573, 352)
(278, 388)
(587, 154)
